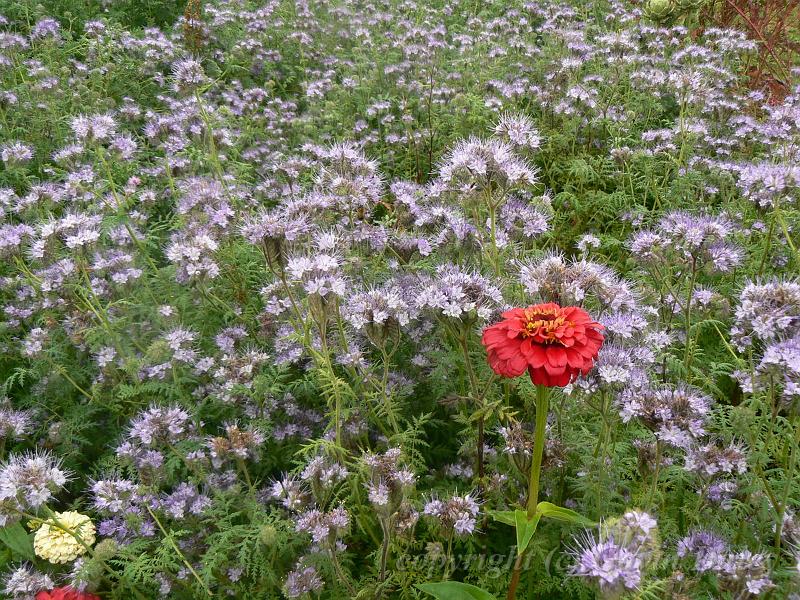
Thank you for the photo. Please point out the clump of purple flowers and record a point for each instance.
(677, 415)
(301, 581)
(324, 527)
(689, 241)
(766, 312)
(456, 515)
(616, 559)
(458, 294)
(28, 482)
(739, 573)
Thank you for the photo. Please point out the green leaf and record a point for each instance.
(504, 516)
(454, 590)
(525, 528)
(559, 513)
(17, 540)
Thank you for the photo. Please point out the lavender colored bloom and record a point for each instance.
(586, 242)
(74, 230)
(389, 484)
(97, 128)
(615, 561)
(319, 274)
(457, 514)
(185, 500)
(768, 184)
(322, 475)
(105, 356)
(14, 424)
(780, 367)
(27, 482)
(24, 582)
(522, 219)
(302, 581)
(158, 425)
(746, 570)
(324, 527)
(694, 241)
(740, 573)
(123, 146)
(115, 496)
(16, 154)
(616, 367)
(707, 549)
(290, 491)
(348, 179)
(475, 165)
(766, 312)
(711, 459)
(381, 312)
(635, 528)
(206, 203)
(12, 237)
(273, 230)
(676, 415)
(721, 493)
(553, 278)
(46, 28)
(188, 75)
(611, 566)
(460, 295)
(519, 131)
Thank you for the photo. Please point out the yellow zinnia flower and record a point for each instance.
(58, 546)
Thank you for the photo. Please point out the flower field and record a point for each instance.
(393, 299)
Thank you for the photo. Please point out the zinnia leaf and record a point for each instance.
(559, 513)
(17, 540)
(504, 516)
(455, 590)
(525, 528)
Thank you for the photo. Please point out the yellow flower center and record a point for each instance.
(543, 324)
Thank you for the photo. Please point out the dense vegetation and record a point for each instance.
(257, 261)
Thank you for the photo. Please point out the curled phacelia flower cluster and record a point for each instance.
(616, 559)
(457, 514)
(459, 294)
(741, 573)
(677, 415)
(689, 241)
(301, 581)
(27, 482)
(766, 313)
(24, 582)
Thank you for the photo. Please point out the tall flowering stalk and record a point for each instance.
(554, 345)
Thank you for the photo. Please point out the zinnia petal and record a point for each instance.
(554, 344)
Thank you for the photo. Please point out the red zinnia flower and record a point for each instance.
(552, 343)
(65, 593)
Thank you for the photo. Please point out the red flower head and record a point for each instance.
(65, 593)
(552, 343)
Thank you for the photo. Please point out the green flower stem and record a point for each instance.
(788, 484)
(542, 407)
(337, 567)
(65, 374)
(387, 400)
(656, 472)
(786, 234)
(178, 552)
(461, 336)
(687, 358)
